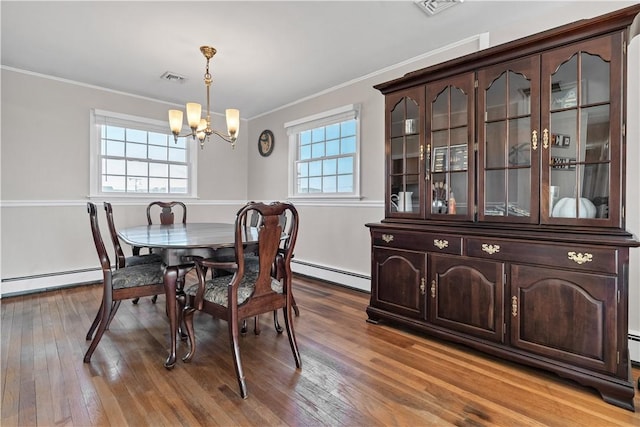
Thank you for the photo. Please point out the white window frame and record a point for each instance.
(295, 127)
(97, 118)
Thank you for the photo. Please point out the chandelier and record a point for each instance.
(201, 127)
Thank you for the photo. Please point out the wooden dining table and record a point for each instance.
(174, 242)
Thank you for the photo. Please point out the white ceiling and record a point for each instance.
(270, 54)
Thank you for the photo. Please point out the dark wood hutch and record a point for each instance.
(504, 224)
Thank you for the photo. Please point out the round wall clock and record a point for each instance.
(265, 143)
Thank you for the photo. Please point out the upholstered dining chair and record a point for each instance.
(118, 284)
(121, 260)
(167, 217)
(247, 292)
(252, 263)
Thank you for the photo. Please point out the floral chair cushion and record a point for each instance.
(137, 275)
(216, 288)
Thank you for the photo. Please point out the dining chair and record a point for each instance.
(167, 217)
(247, 293)
(252, 263)
(124, 282)
(121, 260)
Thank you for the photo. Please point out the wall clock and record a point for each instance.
(265, 143)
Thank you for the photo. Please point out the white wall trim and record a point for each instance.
(126, 201)
(634, 346)
(47, 282)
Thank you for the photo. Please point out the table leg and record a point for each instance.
(170, 281)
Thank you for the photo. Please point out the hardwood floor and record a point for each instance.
(353, 373)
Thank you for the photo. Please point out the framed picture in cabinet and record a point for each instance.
(561, 141)
(439, 159)
(459, 157)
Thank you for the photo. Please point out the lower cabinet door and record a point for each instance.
(398, 281)
(466, 295)
(568, 316)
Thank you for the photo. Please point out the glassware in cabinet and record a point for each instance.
(405, 153)
(450, 154)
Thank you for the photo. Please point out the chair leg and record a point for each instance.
(96, 321)
(276, 323)
(295, 306)
(256, 325)
(292, 336)
(105, 319)
(181, 324)
(235, 350)
(114, 308)
(187, 317)
(179, 294)
(153, 299)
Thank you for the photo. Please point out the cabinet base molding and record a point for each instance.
(615, 391)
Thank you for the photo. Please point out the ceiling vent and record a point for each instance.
(431, 7)
(173, 77)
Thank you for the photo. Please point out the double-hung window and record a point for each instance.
(324, 153)
(135, 156)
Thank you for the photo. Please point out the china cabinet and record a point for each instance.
(504, 203)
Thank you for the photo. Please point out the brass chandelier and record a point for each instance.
(201, 127)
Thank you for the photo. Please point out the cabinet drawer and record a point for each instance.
(427, 242)
(582, 258)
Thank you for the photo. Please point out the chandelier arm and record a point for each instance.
(224, 137)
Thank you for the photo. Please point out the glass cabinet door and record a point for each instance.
(581, 132)
(450, 155)
(405, 153)
(508, 159)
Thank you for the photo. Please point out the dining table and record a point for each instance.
(175, 243)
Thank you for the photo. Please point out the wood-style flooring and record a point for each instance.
(353, 373)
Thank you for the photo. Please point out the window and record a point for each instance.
(324, 154)
(134, 156)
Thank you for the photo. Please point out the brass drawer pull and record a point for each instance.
(580, 258)
(440, 244)
(490, 249)
(433, 289)
(514, 306)
(422, 286)
(387, 238)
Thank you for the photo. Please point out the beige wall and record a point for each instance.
(45, 173)
(45, 176)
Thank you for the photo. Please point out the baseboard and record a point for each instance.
(47, 282)
(332, 275)
(634, 346)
